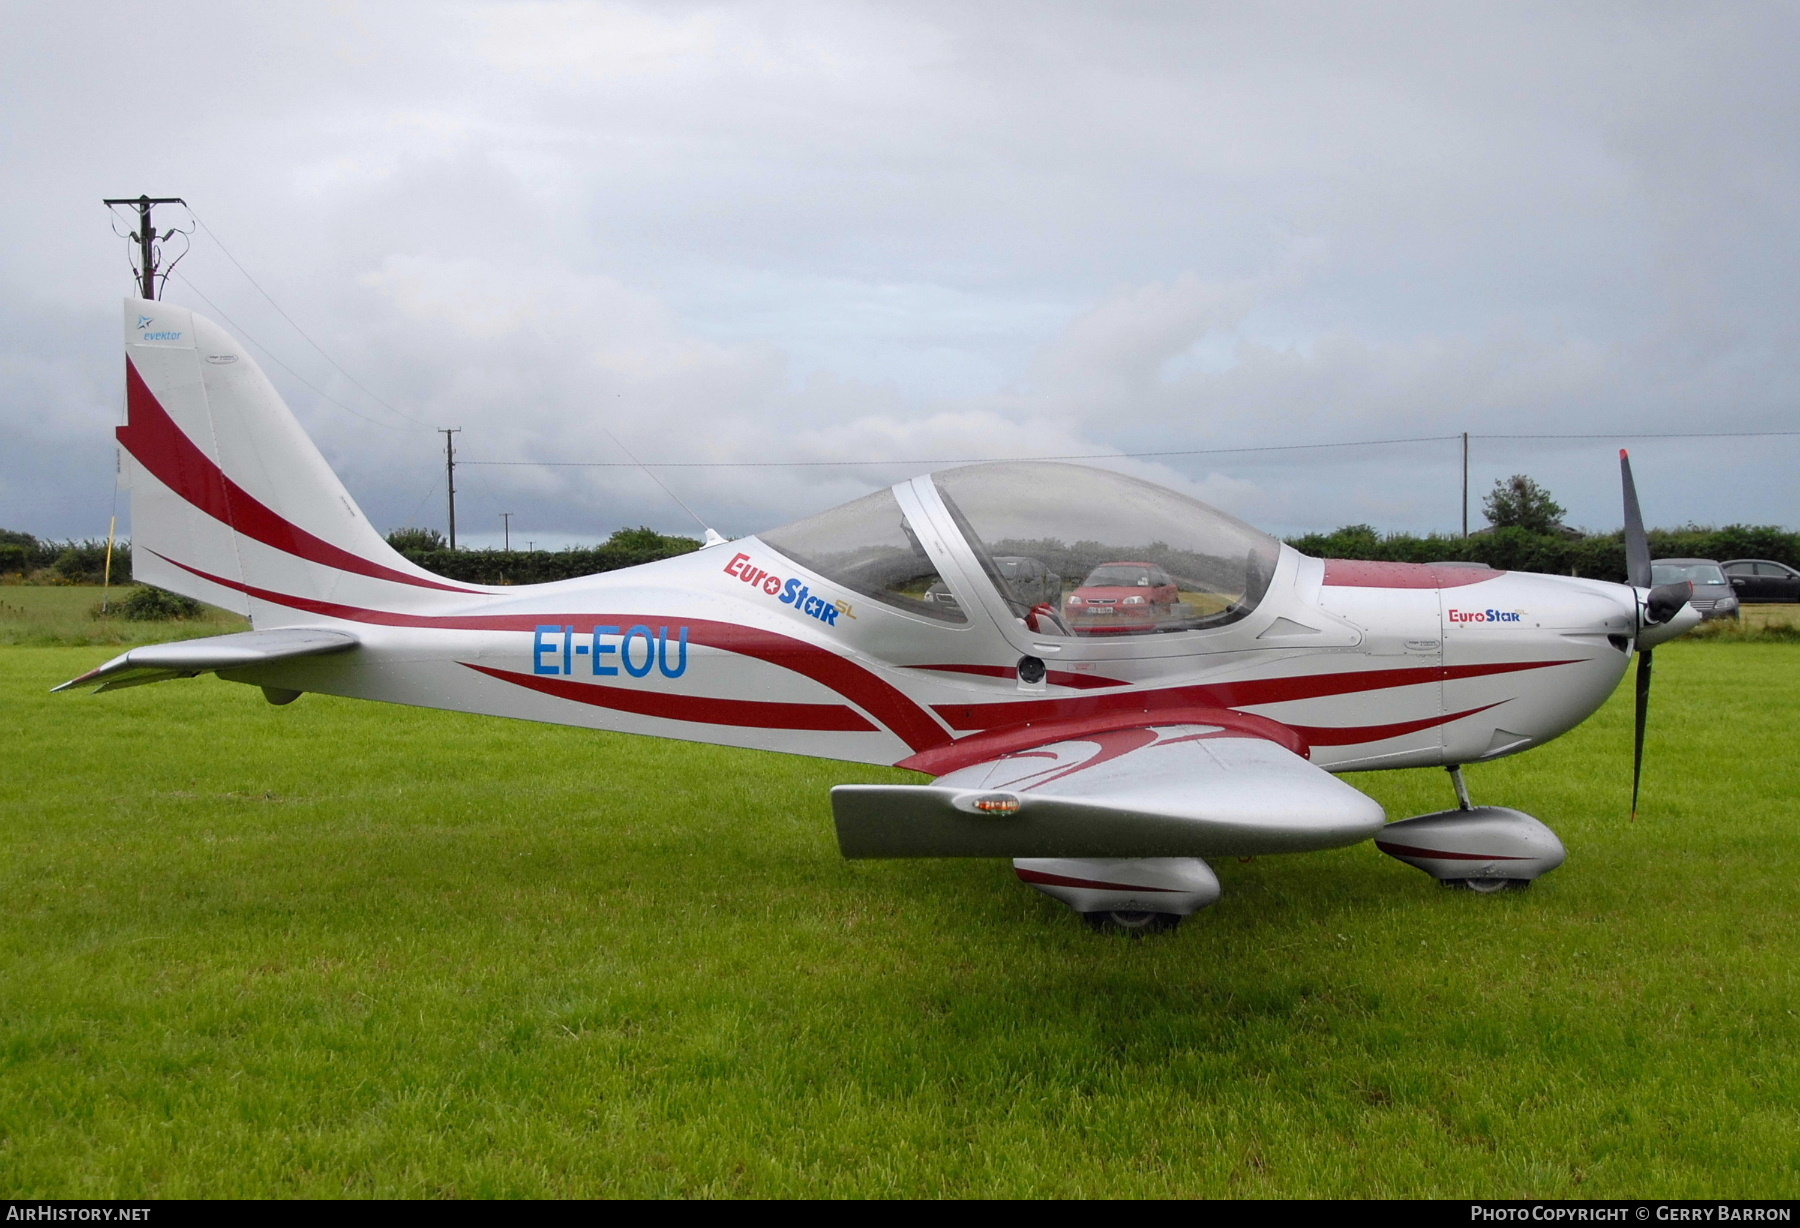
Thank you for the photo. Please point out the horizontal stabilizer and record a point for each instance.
(1163, 791)
(186, 658)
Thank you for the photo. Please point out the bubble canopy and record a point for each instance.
(1133, 558)
(1072, 551)
(869, 547)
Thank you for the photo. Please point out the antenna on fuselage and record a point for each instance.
(713, 536)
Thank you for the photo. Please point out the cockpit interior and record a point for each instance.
(1072, 551)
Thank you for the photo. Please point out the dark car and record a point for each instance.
(1762, 580)
(1713, 597)
(1122, 597)
(1030, 581)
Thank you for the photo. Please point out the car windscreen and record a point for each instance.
(1675, 573)
(1117, 577)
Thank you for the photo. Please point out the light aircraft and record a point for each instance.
(1106, 743)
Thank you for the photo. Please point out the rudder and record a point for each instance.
(231, 502)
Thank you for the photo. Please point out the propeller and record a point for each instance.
(1637, 543)
(1663, 602)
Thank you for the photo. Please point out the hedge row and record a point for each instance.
(626, 548)
(1598, 557)
(68, 562)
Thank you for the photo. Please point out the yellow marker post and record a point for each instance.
(106, 577)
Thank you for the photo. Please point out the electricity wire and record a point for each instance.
(241, 331)
(156, 241)
(413, 519)
(214, 236)
(974, 460)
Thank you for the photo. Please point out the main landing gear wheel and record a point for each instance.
(1120, 922)
(1488, 886)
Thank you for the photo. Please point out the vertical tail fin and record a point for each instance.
(231, 503)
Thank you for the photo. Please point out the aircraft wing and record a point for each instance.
(1184, 790)
(186, 658)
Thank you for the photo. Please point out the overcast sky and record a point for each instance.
(902, 232)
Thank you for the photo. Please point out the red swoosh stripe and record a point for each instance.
(1222, 695)
(995, 743)
(887, 703)
(160, 446)
(1369, 573)
(1403, 850)
(1058, 677)
(754, 713)
(1061, 880)
(1112, 744)
(1356, 735)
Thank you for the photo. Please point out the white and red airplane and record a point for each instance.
(1109, 681)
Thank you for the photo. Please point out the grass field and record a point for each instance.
(45, 616)
(341, 948)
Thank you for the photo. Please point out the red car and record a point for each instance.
(1121, 597)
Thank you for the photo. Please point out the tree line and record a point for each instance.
(30, 559)
(54, 562)
(1597, 556)
(625, 548)
(1526, 533)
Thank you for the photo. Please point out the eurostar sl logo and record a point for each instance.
(790, 592)
(1486, 616)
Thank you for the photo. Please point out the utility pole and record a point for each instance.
(146, 238)
(506, 530)
(449, 435)
(1465, 483)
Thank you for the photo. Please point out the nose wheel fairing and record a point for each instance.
(1477, 847)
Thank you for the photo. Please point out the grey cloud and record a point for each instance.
(826, 232)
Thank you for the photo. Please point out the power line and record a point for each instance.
(413, 520)
(149, 243)
(241, 331)
(213, 235)
(963, 460)
(974, 460)
(1651, 435)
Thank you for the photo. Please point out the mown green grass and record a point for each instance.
(341, 948)
(1770, 623)
(65, 616)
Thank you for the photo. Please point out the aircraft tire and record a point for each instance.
(1133, 923)
(1488, 886)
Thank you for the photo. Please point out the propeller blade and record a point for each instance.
(1643, 719)
(1637, 542)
